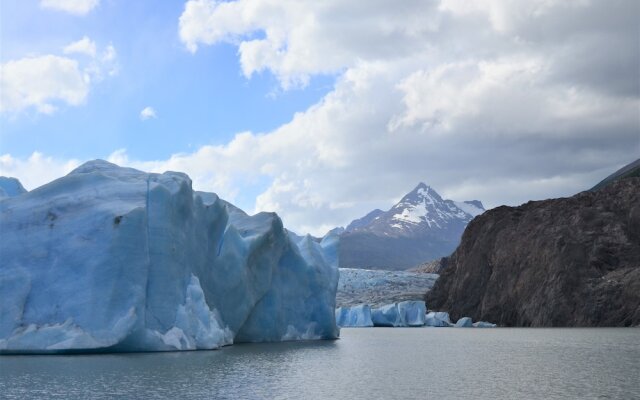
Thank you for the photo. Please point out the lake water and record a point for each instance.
(373, 363)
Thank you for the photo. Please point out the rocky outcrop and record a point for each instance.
(628, 171)
(562, 262)
(432, 267)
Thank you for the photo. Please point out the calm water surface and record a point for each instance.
(374, 363)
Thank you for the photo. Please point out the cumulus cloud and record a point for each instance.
(76, 7)
(44, 82)
(35, 170)
(40, 81)
(148, 113)
(295, 40)
(84, 46)
(495, 100)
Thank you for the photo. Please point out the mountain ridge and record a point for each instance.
(421, 227)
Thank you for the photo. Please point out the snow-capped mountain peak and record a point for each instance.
(423, 205)
(421, 209)
(422, 226)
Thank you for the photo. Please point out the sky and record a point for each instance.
(323, 111)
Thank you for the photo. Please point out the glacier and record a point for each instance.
(380, 287)
(112, 259)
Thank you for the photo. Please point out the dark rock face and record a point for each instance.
(628, 171)
(562, 262)
(432, 267)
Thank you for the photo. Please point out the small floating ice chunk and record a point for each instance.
(464, 322)
(483, 324)
(438, 319)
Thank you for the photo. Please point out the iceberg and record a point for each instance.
(356, 316)
(483, 324)
(438, 319)
(387, 315)
(405, 313)
(113, 259)
(464, 322)
(412, 312)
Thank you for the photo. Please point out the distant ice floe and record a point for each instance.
(412, 313)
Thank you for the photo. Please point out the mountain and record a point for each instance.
(628, 171)
(562, 262)
(364, 221)
(422, 226)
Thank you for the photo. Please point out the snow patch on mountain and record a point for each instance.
(469, 207)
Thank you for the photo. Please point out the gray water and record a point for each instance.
(373, 363)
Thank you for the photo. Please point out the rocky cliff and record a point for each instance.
(562, 262)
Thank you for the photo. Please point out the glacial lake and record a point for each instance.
(366, 363)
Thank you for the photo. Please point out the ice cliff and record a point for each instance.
(115, 259)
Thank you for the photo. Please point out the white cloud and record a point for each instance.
(501, 104)
(35, 170)
(40, 82)
(84, 46)
(147, 113)
(45, 82)
(76, 7)
(497, 100)
(296, 39)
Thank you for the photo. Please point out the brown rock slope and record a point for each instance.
(562, 262)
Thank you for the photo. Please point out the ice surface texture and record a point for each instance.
(10, 187)
(405, 313)
(378, 287)
(438, 319)
(464, 322)
(356, 316)
(115, 259)
(387, 315)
